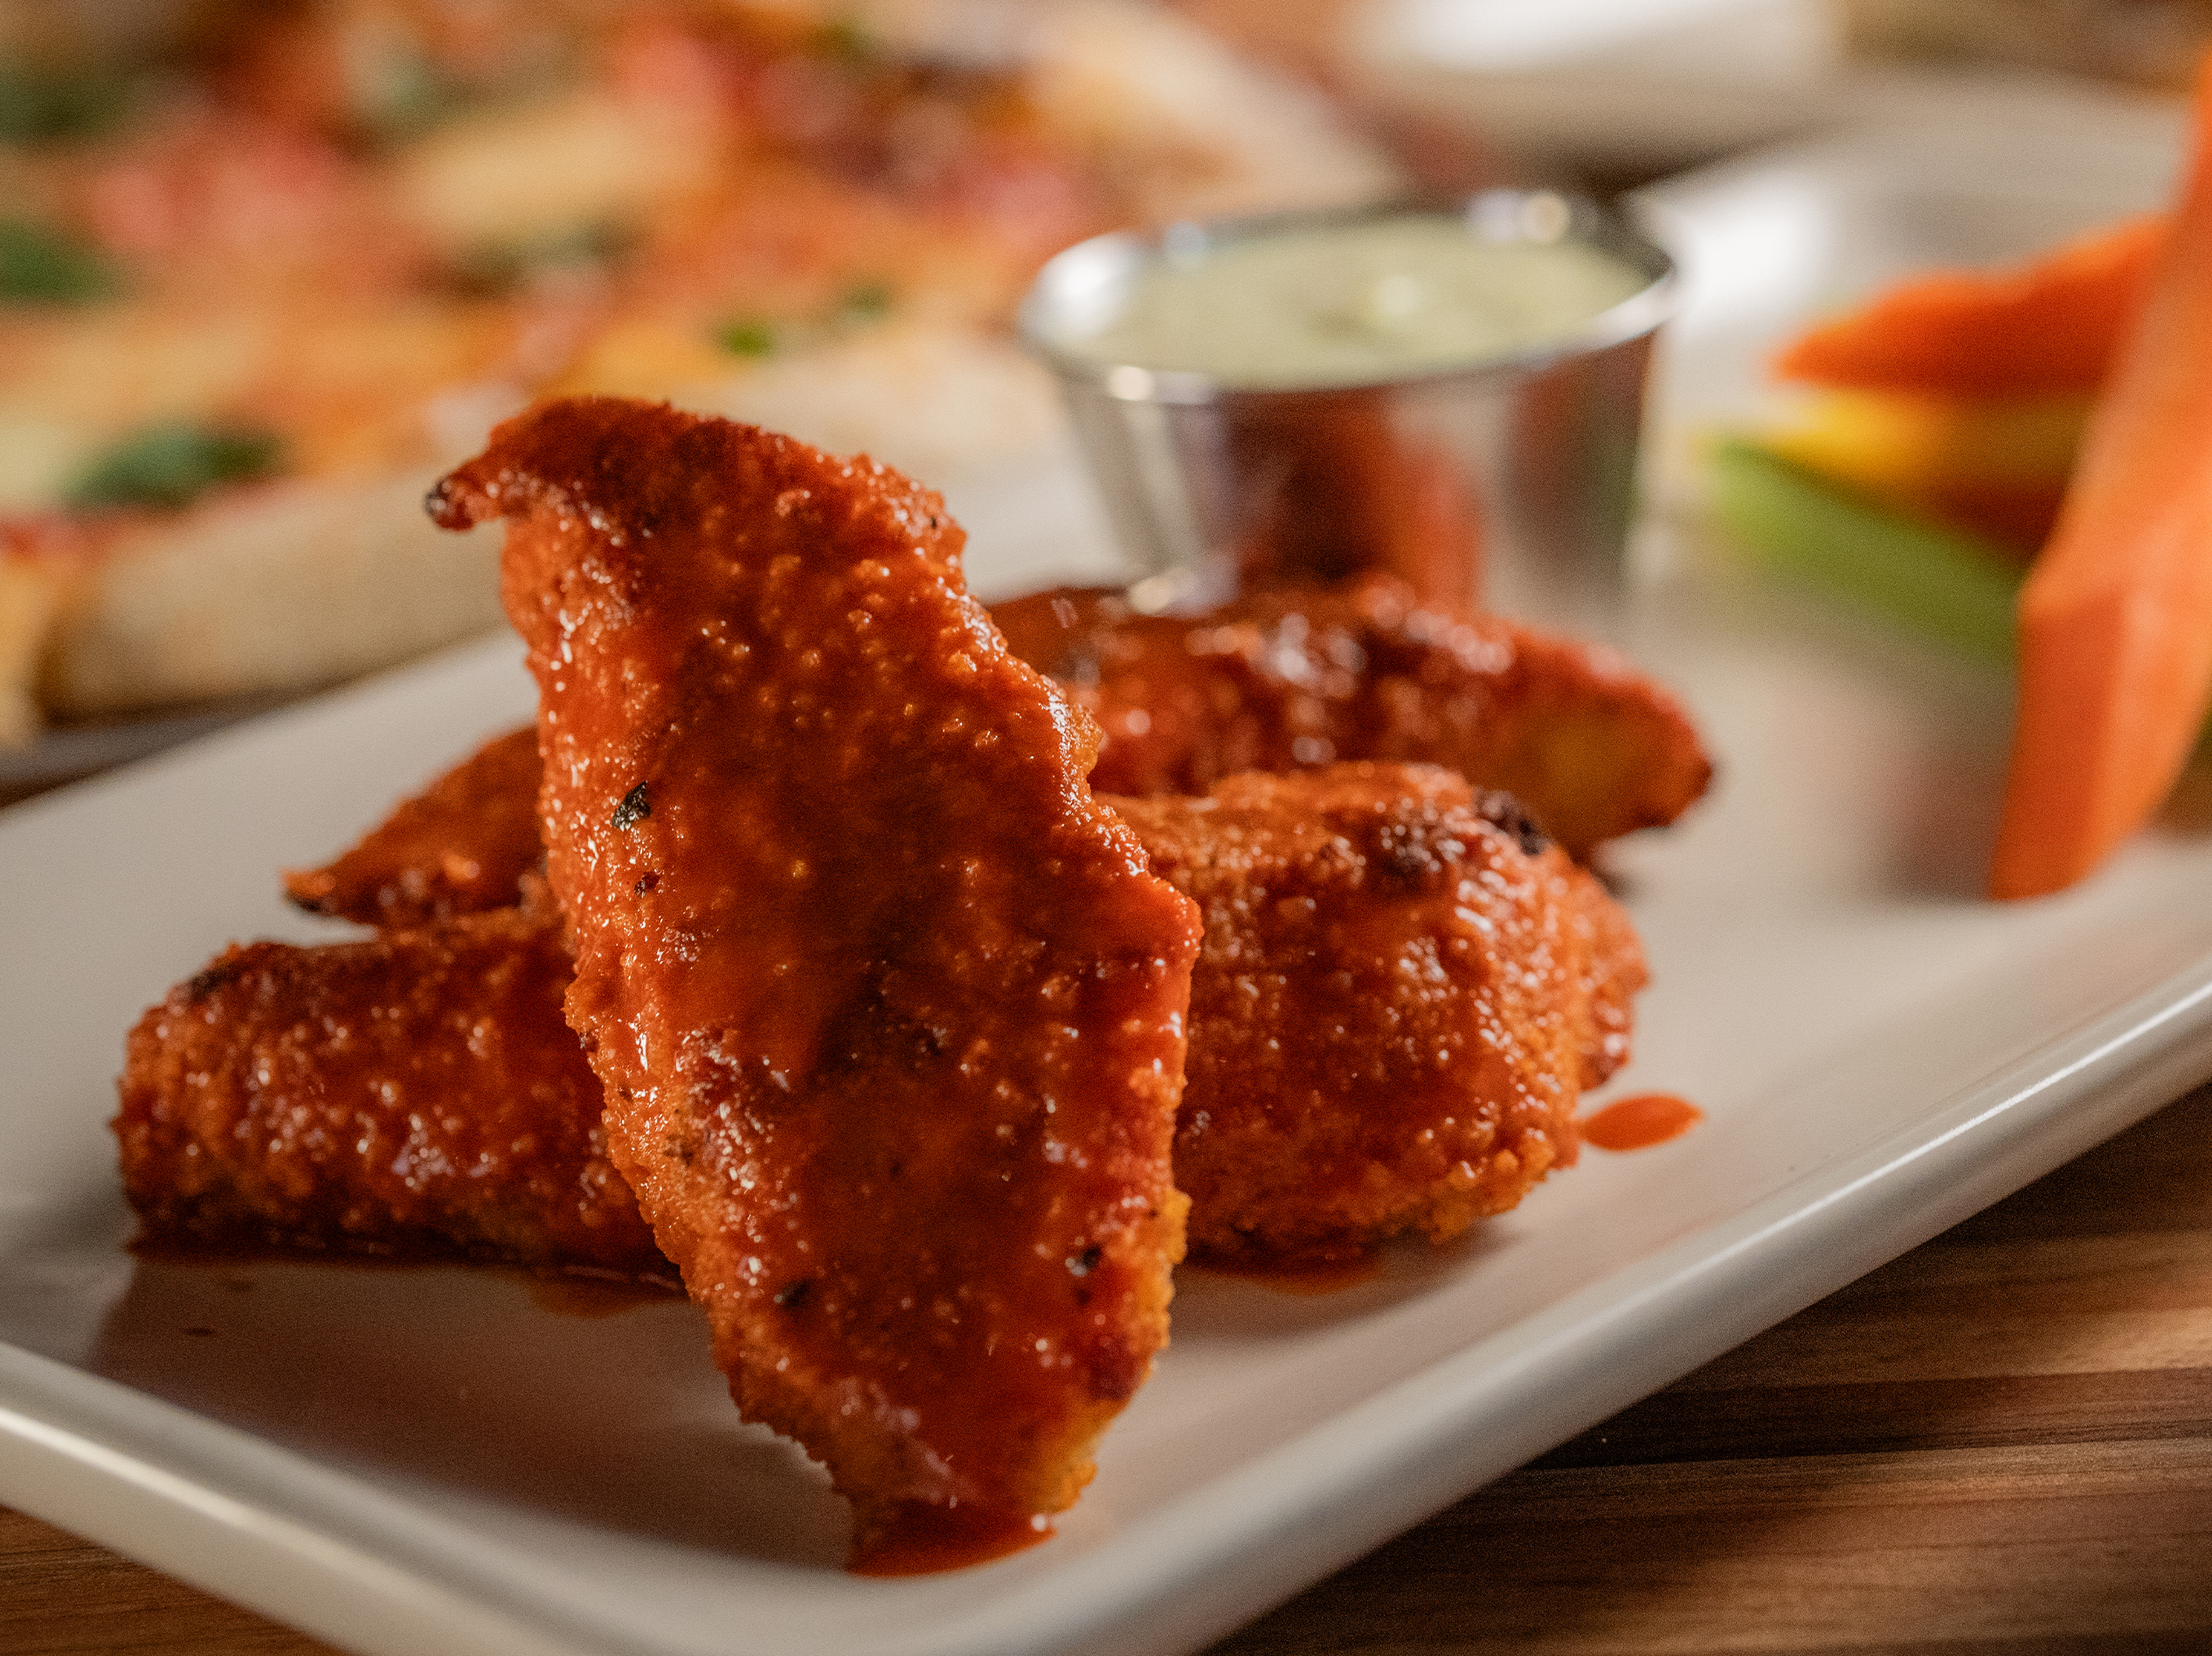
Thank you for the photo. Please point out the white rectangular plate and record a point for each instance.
(433, 1461)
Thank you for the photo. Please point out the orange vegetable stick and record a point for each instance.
(2116, 618)
(2054, 324)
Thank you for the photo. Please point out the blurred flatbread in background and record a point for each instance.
(317, 250)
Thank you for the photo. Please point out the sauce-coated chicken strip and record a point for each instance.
(415, 1095)
(1288, 681)
(1291, 679)
(1368, 1053)
(888, 1012)
(459, 846)
(1401, 992)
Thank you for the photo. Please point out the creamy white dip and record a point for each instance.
(1356, 303)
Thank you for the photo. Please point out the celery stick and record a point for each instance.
(1947, 585)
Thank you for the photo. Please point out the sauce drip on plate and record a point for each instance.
(1639, 1122)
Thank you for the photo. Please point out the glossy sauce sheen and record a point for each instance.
(415, 1095)
(1638, 1123)
(888, 1011)
(459, 846)
(1292, 680)
(1301, 678)
(1402, 991)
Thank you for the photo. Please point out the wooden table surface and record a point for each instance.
(2000, 1445)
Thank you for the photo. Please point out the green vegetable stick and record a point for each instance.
(1942, 583)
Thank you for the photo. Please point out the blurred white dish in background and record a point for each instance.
(1640, 85)
(1495, 35)
(1628, 90)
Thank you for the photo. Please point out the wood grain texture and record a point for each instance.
(59, 1595)
(1999, 1444)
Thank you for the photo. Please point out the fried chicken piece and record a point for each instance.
(888, 1010)
(1330, 1099)
(1285, 682)
(1300, 1130)
(1291, 679)
(1402, 991)
(414, 1095)
(1401, 994)
(460, 846)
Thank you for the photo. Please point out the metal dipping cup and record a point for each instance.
(1524, 463)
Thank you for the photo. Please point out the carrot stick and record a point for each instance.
(2054, 324)
(2116, 618)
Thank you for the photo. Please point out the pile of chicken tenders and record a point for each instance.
(922, 981)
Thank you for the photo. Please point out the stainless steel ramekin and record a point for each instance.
(1527, 460)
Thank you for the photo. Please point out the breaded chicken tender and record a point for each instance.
(1288, 681)
(888, 1011)
(1402, 991)
(415, 1095)
(1400, 996)
(460, 846)
(1299, 677)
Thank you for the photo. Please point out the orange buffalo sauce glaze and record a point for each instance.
(926, 1539)
(888, 1010)
(1639, 1123)
(283, 1096)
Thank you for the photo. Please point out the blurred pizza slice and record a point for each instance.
(240, 324)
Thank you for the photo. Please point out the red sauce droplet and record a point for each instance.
(924, 1539)
(1638, 1123)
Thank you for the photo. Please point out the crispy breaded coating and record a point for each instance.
(888, 1010)
(1401, 992)
(1399, 982)
(459, 847)
(1292, 679)
(1288, 681)
(415, 1095)
(1320, 1088)
(1343, 985)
